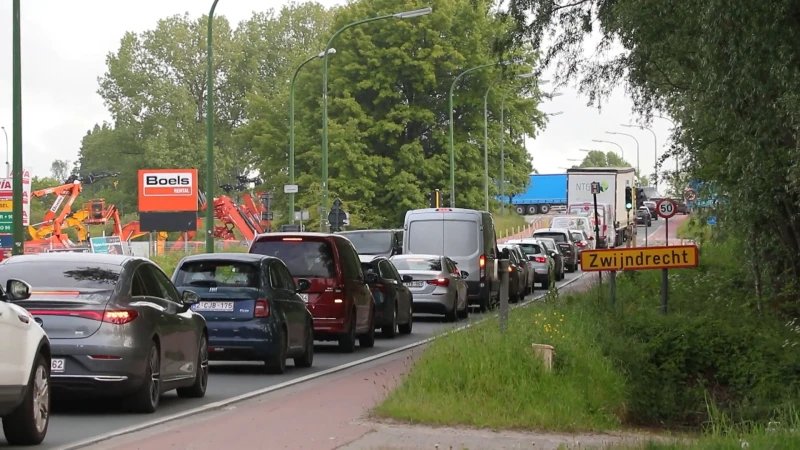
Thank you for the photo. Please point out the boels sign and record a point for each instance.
(167, 190)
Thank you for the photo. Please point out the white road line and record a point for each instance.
(240, 398)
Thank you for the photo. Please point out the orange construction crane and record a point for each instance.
(66, 195)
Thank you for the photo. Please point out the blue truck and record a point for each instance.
(543, 194)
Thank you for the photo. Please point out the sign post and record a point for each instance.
(666, 208)
(595, 186)
(337, 216)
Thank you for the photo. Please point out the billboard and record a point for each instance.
(7, 194)
(111, 245)
(167, 190)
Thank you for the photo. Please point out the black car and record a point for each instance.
(644, 216)
(393, 300)
(376, 242)
(682, 207)
(252, 307)
(516, 274)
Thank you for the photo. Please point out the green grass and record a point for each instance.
(508, 222)
(694, 228)
(482, 378)
(169, 261)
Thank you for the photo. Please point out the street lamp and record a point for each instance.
(291, 126)
(8, 168)
(16, 101)
(674, 125)
(210, 133)
(621, 150)
(655, 149)
(637, 147)
(558, 113)
(503, 148)
(400, 15)
(450, 104)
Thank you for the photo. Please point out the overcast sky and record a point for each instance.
(65, 43)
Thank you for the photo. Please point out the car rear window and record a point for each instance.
(303, 257)
(577, 236)
(531, 249)
(558, 237)
(453, 238)
(62, 276)
(218, 274)
(417, 264)
(371, 242)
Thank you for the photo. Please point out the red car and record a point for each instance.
(327, 271)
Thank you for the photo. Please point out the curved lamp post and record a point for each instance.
(674, 125)
(637, 147)
(400, 15)
(291, 125)
(503, 146)
(210, 133)
(621, 150)
(655, 149)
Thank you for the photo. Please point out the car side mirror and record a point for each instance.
(464, 274)
(303, 285)
(407, 279)
(190, 297)
(17, 290)
(371, 277)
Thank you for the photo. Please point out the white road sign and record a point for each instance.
(666, 208)
(290, 189)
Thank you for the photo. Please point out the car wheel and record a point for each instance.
(483, 303)
(368, 340)
(546, 283)
(277, 365)
(452, 315)
(464, 313)
(308, 353)
(390, 331)
(198, 389)
(146, 399)
(405, 328)
(347, 342)
(27, 424)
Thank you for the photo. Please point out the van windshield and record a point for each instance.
(371, 242)
(304, 258)
(453, 238)
(417, 264)
(558, 237)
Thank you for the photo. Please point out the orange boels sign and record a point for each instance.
(167, 190)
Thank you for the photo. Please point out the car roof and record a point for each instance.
(231, 256)
(416, 256)
(370, 258)
(551, 230)
(299, 234)
(523, 241)
(345, 233)
(71, 257)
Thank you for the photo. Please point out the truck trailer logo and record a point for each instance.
(167, 184)
(167, 190)
(588, 186)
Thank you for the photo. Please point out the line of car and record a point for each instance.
(93, 325)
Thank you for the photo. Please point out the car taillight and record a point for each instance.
(440, 282)
(262, 308)
(580, 244)
(117, 317)
(540, 259)
(482, 265)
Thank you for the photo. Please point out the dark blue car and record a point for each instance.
(252, 308)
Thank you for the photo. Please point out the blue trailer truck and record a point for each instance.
(544, 192)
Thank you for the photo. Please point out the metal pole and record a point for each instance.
(486, 148)
(504, 281)
(674, 125)
(210, 132)
(665, 277)
(8, 164)
(503, 155)
(638, 169)
(452, 151)
(16, 182)
(621, 150)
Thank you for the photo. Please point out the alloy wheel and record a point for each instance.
(41, 399)
(155, 376)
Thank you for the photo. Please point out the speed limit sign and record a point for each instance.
(666, 208)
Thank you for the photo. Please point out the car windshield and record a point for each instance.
(62, 276)
(530, 248)
(417, 264)
(548, 244)
(453, 238)
(577, 236)
(371, 242)
(303, 257)
(558, 237)
(218, 274)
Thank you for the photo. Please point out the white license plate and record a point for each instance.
(214, 306)
(57, 366)
(414, 284)
(304, 297)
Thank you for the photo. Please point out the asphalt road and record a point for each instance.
(75, 423)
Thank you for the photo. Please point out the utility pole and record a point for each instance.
(16, 183)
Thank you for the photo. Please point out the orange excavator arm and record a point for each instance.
(254, 210)
(70, 190)
(228, 212)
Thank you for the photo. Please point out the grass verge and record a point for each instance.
(694, 228)
(625, 366)
(507, 222)
(169, 261)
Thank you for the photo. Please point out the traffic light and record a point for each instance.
(640, 198)
(436, 198)
(628, 198)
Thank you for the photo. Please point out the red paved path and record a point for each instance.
(316, 415)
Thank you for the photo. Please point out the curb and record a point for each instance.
(249, 395)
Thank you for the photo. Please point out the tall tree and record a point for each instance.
(60, 169)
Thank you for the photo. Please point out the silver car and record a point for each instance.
(437, 286)
(558, 258)
(117, 326)
(543, 263)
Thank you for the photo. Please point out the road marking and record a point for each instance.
(263, 391)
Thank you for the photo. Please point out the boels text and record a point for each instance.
(167, 184)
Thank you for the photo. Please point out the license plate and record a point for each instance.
(214, 306)
(57, 366)
(304, 297)
(414, 284)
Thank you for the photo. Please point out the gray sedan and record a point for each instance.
(437, 286)
(117, 326)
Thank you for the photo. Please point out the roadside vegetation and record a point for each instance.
(508, 222)
(721, 357)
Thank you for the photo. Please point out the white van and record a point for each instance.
(604, 212)
(576, 222)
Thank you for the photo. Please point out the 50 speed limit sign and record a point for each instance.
(666, 208)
